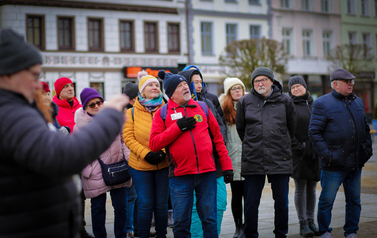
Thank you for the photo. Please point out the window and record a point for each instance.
(351, 7)
(65, 33)
(253, 1)
(375, 8)
(35, 31)
(230, 0)
(364, 8)
(95, 34)
(306, 42)
(287, 40)
(174, 45)
(150, 37)
(325, 5)
(99, 87)
(375, 46)
(326, 39)
(254, 32)
(306, 5)
(352, 38)
(285, 3)
(231, 33)
(206, 35)
(126, 33)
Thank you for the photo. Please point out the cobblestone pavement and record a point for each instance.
(368, 220)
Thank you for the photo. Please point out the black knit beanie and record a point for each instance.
(296, 80)
(15, 53)
(131, 90)
(170, 81)
(262, 71)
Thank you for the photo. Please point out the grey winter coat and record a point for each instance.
(39, 197)
(265, 126)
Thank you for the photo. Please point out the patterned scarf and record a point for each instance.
(152, 104)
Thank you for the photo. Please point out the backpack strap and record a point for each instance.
(164, 109)
(204, 108)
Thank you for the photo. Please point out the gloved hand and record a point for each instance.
(155, 157)
(228, 176)
(65, 130)
(186, 123)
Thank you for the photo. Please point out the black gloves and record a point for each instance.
(155, 158)
(228, 176)
(186, 123)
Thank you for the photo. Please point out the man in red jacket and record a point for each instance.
(185, 128)
(67, 102)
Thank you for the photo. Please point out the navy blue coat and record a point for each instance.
(339, 132)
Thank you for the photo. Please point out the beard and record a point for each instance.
(186, 96)
(261, 90)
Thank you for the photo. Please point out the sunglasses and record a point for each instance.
(93, 104)
(348, 81)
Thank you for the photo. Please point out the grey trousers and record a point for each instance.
(305, 198)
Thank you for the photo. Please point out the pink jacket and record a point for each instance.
(91, 175)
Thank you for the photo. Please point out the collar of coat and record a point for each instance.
(341, 97)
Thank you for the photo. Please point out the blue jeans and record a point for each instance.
(253, 190)
(196, 225)
(131, 195)
(152, 188)
(98, 208)
(330, 182)
(181, 189)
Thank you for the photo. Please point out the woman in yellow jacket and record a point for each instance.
(149, 170)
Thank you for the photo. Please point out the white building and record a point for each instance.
(91, 42)
(212, 24)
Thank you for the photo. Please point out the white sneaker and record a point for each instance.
(326, 235)
(352, 235)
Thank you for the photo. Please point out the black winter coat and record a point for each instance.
(305, 159)
(265, 126)
(340, 132)
(38, 195)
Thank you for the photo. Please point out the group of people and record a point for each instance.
(181, 150)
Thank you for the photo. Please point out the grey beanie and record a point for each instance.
(296, 80)
(341, 74)
(15, 53)
(262, 71)
(131, 90)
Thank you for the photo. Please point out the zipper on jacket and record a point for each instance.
(152, 123)
(193, 142)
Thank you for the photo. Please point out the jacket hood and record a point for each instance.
(55, 109)
(189, 73)
(82, 118)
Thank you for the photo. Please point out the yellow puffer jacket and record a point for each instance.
(136, 134)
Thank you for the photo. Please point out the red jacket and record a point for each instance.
(189, 152)
(66, 116)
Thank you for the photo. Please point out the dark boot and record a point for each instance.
(239, 230)
(305, 230)
(313, 227)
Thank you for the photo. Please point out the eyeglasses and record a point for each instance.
(260, 81)
(348, 81)
(36, 76)
(93, 104)
(236, 88)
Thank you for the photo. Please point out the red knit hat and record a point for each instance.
(60, 83)
(45, 87)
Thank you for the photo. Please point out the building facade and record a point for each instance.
(100, 44)
(359, 26)
(309, 30)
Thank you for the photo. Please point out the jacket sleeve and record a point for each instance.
(160, 136)
(291, 117)
(129, 137)
(368, 137)
(218, 118)
(33, 145)
(317, 126)
(240, 119)
(226, 163)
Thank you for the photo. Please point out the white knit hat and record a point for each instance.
(230, 82)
